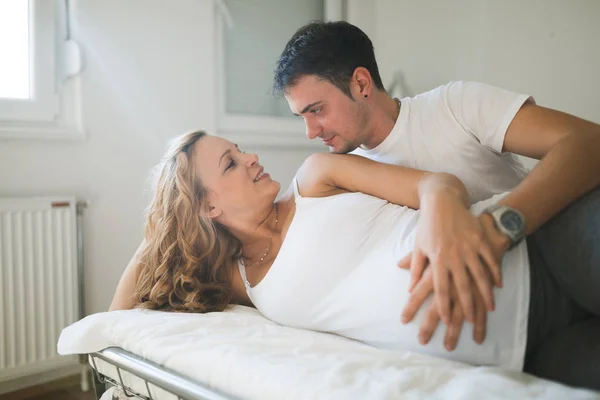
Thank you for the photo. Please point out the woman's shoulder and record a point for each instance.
(315, 176)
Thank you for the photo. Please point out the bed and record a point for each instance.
(239, 354)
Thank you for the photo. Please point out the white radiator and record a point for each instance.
(39, 282)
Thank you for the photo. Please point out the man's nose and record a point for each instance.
(313, 130)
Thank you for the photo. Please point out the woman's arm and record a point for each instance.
(325, 174)
(124, 295)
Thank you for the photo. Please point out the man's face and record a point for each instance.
(328, 113)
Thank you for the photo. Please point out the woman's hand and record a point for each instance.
(452, 241)
(422, 291)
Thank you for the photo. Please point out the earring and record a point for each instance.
(365, 95)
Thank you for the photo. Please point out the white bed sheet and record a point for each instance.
(239, 352)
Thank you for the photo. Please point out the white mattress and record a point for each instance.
(241, 353)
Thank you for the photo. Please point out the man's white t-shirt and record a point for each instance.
(457, 128)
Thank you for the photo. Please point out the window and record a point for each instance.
(250, 37)
(34, 97)
(14, 47)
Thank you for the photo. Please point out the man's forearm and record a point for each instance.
(569, 170)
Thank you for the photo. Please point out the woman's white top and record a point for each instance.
(337, 272)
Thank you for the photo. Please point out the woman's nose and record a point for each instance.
(252, 159)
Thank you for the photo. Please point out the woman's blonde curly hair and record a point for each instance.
(185, 260)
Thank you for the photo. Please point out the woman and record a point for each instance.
(323, 255)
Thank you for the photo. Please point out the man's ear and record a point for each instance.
(214, 212)
(363, 82)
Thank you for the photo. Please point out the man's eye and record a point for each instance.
(316, 110)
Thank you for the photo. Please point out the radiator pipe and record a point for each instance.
(80, 207)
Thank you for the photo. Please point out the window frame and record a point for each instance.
(248, 129)
(53, 110)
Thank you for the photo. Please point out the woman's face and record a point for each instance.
(236, 182)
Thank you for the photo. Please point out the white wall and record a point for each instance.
(148, 76)
(547, 48)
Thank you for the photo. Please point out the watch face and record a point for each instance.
(511, 221)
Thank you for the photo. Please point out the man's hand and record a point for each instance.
(452, 241)
(498, 241)
(421, 292)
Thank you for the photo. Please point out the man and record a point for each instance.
(329, 76)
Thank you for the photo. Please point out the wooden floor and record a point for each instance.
(65, 389)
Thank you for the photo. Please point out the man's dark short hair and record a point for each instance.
(328, 50)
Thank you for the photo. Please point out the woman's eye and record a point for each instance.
(230, 165)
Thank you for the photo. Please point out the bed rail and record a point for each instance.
(152, 374)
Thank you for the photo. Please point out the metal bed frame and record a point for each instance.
(152, 374)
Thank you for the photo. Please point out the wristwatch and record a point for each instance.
(508, 221)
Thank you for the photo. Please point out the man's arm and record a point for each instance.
(569, 149)
(569, 152)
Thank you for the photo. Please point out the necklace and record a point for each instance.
(268, 248)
